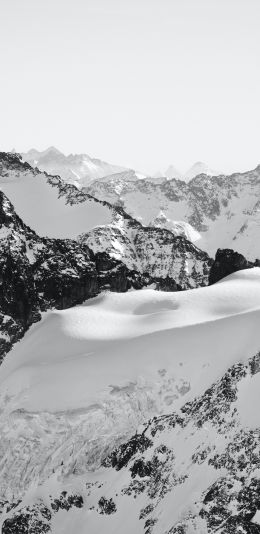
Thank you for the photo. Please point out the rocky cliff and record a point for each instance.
(226, 262)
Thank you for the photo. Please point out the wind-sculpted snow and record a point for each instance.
(83, 380)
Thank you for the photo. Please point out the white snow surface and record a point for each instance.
(125, 340)
(39, 205)
(84, 379)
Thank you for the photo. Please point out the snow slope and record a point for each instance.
(116, 339)
(39, 204)
(83, 379)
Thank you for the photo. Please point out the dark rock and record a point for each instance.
(226, 262)
(35, 520)
(121, 456)
(106, 506)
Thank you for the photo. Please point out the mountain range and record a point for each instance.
(77, 169)
(61, 245)
(129, 376)
(81, 169)
(213, 212)
(197, 168)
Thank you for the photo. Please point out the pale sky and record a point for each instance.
(141, 83)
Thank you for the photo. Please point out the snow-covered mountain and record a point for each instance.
(172, 172)
(117, 404)
(81, 169)
(198, 168)
(78, 169)
(215, 212)
(138, 406)
(60, 246)
(55, 209)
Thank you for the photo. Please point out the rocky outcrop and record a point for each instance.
(202, 459)
(35, 519)
(226, 262)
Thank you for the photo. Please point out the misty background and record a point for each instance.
(140, 83)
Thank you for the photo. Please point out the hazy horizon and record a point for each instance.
(182, 171)
(142, 84)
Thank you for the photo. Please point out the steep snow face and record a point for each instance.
(83, 379)
(223, 210)
(78, 169)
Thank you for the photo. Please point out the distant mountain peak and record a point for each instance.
(172, 172)
(199, 167)
(78, 169)
(53, 149)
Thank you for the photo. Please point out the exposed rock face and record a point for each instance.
(224, 210)
(35, 519)
(227, 261)
(13, 162)
(202, 455)
(154, 252)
